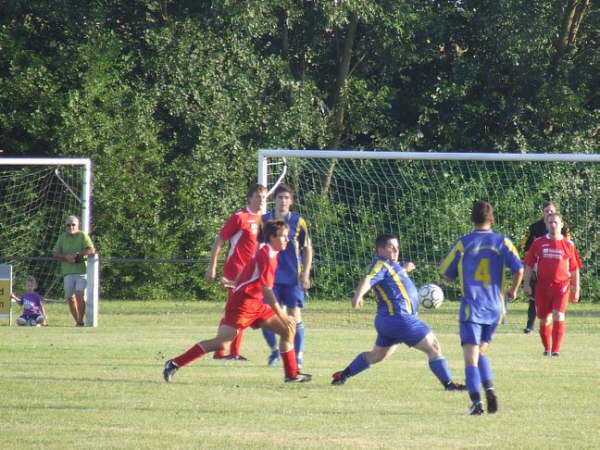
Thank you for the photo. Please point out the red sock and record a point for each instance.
(558, 333)
(546, 335)
(290, 366)
(234, 349)
(191, 355)
(220, 353)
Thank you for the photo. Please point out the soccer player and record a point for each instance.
(479, 259)
(241, 230)
(396, 321)
(292, 278)
(245, 308)
(558, 266)
(536, 230)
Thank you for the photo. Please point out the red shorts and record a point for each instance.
(549, 297)
(250, 313)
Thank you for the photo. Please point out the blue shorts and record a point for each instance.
(476, 333)
(290, 295)
(405, 329)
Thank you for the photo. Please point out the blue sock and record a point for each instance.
(473, 381)
(358, 365)
(485, 371)
(271, 339)
(299, 338)
(440, 369)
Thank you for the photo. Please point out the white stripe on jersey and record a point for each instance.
(252, 278)
(233, 242)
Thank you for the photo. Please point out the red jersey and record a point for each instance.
(241, 230)
(259, 272)
(555, 259)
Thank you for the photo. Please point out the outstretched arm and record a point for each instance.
(363, 287)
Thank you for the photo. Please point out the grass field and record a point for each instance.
(66, 387)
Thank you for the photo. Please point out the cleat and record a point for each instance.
(476, 409)
(527, 330)
(169, 371)
(452, 386)
(555, 354)
(338, 378)
(273, 358)
(546, 353)
(492, 401)
(236, 358)
(300, 378)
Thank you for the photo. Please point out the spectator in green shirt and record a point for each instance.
(72, 249)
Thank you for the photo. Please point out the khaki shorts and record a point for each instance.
(74, 282)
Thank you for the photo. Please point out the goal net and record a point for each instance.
(37, 194)
(349, 197)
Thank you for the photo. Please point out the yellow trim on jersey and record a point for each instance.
(511, 247)
(459, 247)
(376, 268)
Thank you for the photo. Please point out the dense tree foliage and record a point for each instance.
(172, 99)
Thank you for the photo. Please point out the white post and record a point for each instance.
(93, 299)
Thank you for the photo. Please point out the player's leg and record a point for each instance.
(362, 362)
(22, 320)
(487, 378)
(543, 308)
(437, 363)
(558, 331)
(270, 336)
(225, 335)
(531, 309)
(470, 336)
(299, 337)
(235, 346)
(286, 332)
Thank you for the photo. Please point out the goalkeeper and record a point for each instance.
(72, 248)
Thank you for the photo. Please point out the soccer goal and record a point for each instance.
(37, 194)
(349, 197)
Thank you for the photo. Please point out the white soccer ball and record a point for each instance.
(431, 296)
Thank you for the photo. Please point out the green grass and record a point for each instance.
(66, 387)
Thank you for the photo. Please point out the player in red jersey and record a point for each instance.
(241, 230)
(245, 308)
(558, 266)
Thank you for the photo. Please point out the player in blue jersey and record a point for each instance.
(396, 321)
(479, 259)
(292, 278)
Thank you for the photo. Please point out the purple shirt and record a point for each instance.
(32, 302)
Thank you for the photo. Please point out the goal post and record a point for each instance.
(349, 196)
(37, 195)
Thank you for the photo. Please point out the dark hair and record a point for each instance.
(283, 188)
(272, 227)
(482, 212)
(255, 187)
(383, 239)
(548, 203)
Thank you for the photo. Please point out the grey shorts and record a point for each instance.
(74, 282)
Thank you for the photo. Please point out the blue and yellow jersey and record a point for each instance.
(396, 293)
(289, 268)
(479, 259)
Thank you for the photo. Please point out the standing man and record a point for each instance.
(396, 321)
(536, 230)
(241, 230)
(479, 259)
(72, 249)
(245, 308)
(558, 265)
(292, 278)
